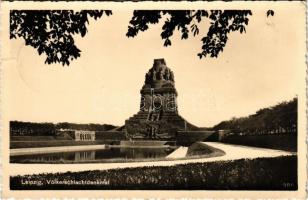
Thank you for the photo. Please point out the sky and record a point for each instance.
(255, 70)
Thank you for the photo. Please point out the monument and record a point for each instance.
(157, 118)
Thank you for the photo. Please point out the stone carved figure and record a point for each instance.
(167, 75)
(157, 73)
(161, 75)
(147, 78)
(154, 75)
(152, 117)
(171, 76)
(158, 117)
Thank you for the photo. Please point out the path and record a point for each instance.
(178, 153)
(233, 152)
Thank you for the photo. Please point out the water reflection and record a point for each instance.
(103, 155)
(85, 155)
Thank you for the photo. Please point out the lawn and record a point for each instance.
(277, 173)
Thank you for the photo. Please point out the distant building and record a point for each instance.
(84, 135)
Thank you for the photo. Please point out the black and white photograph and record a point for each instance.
(205, 97)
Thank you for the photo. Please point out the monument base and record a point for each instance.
(139, 127)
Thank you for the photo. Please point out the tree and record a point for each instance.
(51, 31)
(186, 21)
(276, 119)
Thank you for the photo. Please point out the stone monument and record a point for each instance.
(158, 117)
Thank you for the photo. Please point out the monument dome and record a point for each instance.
(159, 75)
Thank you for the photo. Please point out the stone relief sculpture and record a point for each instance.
(159, 72)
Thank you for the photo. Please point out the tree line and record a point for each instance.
(49, 129)
(281, 118)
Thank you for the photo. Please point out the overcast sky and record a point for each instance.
(255, 70)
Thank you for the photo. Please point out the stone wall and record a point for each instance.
(110, 135)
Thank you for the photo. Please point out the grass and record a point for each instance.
(243, 174)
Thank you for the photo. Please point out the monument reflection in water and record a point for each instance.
(103, 156)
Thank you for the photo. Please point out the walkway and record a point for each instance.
(233, 152)
(178, 153)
